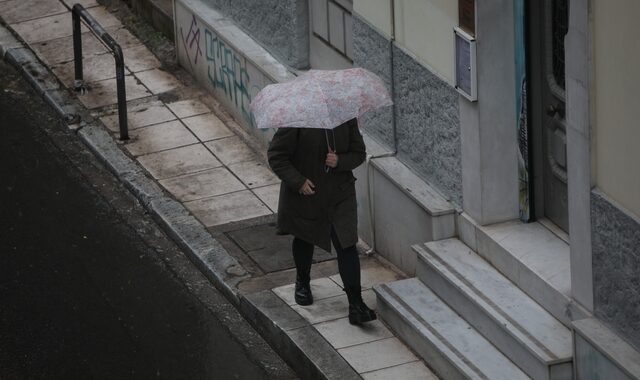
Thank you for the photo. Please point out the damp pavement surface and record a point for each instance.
(89, 286)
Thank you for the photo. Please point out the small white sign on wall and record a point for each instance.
(465, 61)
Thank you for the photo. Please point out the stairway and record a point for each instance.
(468, 321)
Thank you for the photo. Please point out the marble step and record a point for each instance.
(532, 256)
(518, 326)
(447, 343)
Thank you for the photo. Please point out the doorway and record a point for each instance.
(547, 26)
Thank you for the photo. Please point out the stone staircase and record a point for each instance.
(469, 321)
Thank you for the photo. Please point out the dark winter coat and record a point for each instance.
(296, 154)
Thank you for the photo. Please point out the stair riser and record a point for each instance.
(552, 300)
(423, 347)
(482, 321)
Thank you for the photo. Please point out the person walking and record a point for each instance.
(318, 203)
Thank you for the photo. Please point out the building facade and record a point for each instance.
(535, 180)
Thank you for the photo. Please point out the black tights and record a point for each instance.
(348, 260)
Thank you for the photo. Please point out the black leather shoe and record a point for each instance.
(359, 312)
(303, 294)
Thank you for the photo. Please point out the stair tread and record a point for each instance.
(537, 248)
(518, 313)
(427, 314)
(415, 187)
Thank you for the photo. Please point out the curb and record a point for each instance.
(292, 337)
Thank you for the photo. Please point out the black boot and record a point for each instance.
(303, 294)
(359, 312)
(303, 256)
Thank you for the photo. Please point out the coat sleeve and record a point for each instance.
(357, 150)
(281, 150)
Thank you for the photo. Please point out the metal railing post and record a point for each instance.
(77, 49)
(122, 94)
(79, 12)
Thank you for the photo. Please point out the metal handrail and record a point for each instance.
(77, 13)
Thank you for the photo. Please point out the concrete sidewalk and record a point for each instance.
(185, 141)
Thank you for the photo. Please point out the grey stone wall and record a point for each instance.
(428, 125)
(427, 115)
(281, 26)
(371, 50)
(616, 267)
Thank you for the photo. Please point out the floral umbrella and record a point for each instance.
(319, 99)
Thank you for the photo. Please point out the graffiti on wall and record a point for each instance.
(227, 71)
(215, 62)
(191, 42)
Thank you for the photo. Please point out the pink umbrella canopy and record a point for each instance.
(319, 99)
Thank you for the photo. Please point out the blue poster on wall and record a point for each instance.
(521, 111)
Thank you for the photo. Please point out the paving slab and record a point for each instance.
(104, 17)
(187, 108)
(207, 127)
(60, 50)
(56, 26)
(254, 173)
(377, 355)
(409, 371)
(140, 115)
(227, 208)
(95, 68)
(270, 195)
(369, 277)
(252, 238)
(203, 184)
(155, 138)
(332, 308)
(281, 278)
(320, 287)
(158, 81)
(123, 37)
(271, 252)
(139, 58)
(104, 93)
(340, 333)
(179, 161)
(231, 150)
(15, 11)
(273, 258)
(43, 29)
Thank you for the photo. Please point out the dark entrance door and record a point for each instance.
(548, 25)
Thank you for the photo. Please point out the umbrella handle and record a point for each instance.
(326, 135)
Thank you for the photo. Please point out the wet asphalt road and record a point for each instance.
(89, 286)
